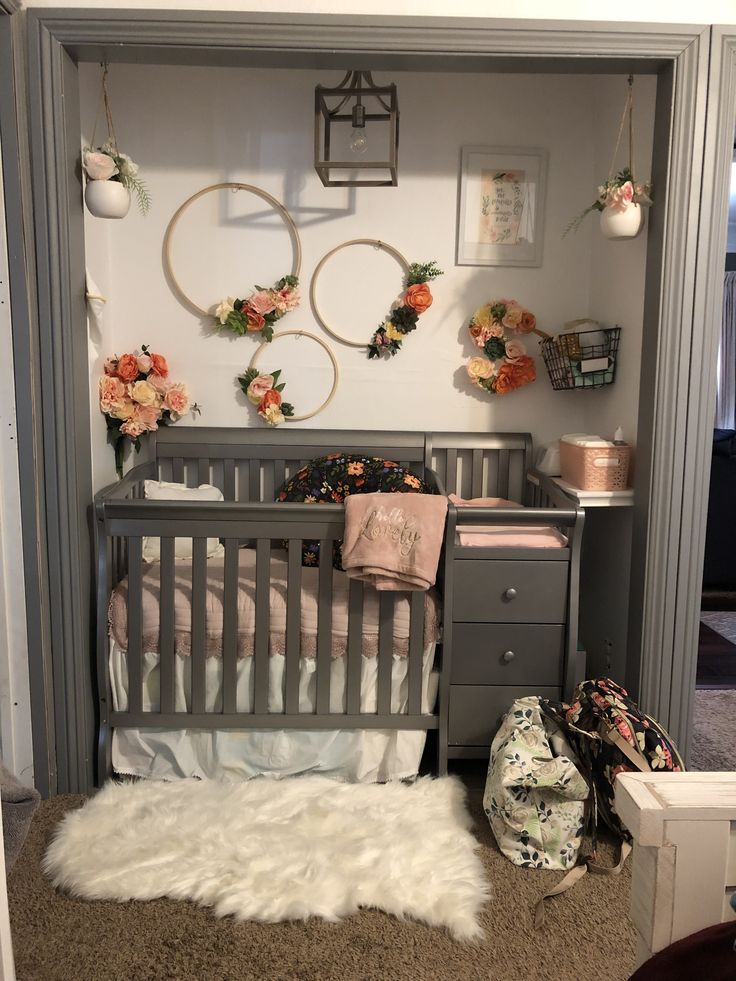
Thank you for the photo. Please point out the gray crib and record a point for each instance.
(248, 466)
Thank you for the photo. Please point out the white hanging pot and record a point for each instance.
(622, 224)
(107, 199)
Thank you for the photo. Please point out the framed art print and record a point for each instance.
(501, 206)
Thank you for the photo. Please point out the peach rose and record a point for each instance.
(262, 302)
(176, 400)
(128, 368)
(258, 388)
(619, 198)
(112, 392)
(505, 380)
(158, 383)
(159, 365)
(255, 321)
(144, 363)
(512, 318)
(271, 397)
(147, 415)
(515, 350)
(290, 297)
(144, 394)
(133, 428)
(479, 368)
(418, 297)
(527, 324)
(99, 166)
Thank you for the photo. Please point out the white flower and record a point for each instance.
(225, 308)
(126, 165)
(273, 415)
(99, 166)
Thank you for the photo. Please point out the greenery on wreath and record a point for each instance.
(403, 318)
(259, 311)
(264, 391)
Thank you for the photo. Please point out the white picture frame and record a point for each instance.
(501, 206)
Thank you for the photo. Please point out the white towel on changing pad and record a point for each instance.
(393, 541)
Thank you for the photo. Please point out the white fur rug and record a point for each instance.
(279, 850)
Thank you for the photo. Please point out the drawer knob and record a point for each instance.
(510, 593)
(507, 656)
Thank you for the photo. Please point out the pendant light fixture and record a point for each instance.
(356, 133)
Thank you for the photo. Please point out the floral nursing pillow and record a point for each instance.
(330, 479)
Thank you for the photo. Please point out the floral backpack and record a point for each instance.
(611, 735)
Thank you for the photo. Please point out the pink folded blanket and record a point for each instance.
(505, 536)
(393, 541)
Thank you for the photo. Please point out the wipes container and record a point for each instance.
(595, 465)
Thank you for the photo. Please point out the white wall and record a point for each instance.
(645, 11)
(190, 127)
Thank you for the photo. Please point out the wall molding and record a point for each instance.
(679, 54)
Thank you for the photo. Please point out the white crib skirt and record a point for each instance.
(362, 755)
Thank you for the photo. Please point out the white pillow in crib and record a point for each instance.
(162, 490)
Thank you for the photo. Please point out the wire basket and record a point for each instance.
(581, 358)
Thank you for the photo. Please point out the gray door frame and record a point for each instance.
(674, 409)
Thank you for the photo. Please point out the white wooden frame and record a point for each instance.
(684, 830)
(474, 162)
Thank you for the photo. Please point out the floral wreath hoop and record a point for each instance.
(259, 311)
(495, 328)
(405, 313)
(264, 391)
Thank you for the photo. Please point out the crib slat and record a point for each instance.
(476, 488)
(385, 651)
(177, 470)
(355, 645)
(324, 627)
(260, 654)
(254, 480)
(279, 476)
(167, 647)
(228, 480)
(203, 471)
(416, 649)
(199, 623)
(267, 467)
(293, 625)
(230, 628)
(135, 624)
(451, 474)
(503, 473)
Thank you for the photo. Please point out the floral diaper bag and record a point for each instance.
(535, 795)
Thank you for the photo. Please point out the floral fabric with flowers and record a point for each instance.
(617, 193)
(330, 479)
(259, 311)
(496, 328)
(264, 391)
(136, 397)
(107, 163)
(416, 299)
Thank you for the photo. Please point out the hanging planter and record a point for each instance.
(621, 199)
(111, 175)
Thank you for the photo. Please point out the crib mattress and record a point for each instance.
(246, 599)
(354, 755)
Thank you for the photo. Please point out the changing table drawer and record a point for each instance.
(476, 710)
(507, 653)
(496, 591)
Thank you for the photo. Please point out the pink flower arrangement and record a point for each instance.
(136, 397)
(617, 193)
(496, 328)
(264, 391)
(258, 313)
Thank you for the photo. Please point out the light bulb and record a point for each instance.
(358, 141)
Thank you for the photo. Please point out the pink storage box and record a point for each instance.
(595, 467)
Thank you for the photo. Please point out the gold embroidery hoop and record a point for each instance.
(323, 344)
(377, 244)
(259, 192)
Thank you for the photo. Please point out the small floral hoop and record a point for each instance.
(287, 410)
(233, 313)
(504, 366)
(377, 244)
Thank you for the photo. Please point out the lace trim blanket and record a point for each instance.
(118, 611)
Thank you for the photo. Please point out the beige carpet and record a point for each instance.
(713, 744)
(587, 933)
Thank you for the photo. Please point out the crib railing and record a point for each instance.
(124, 523)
